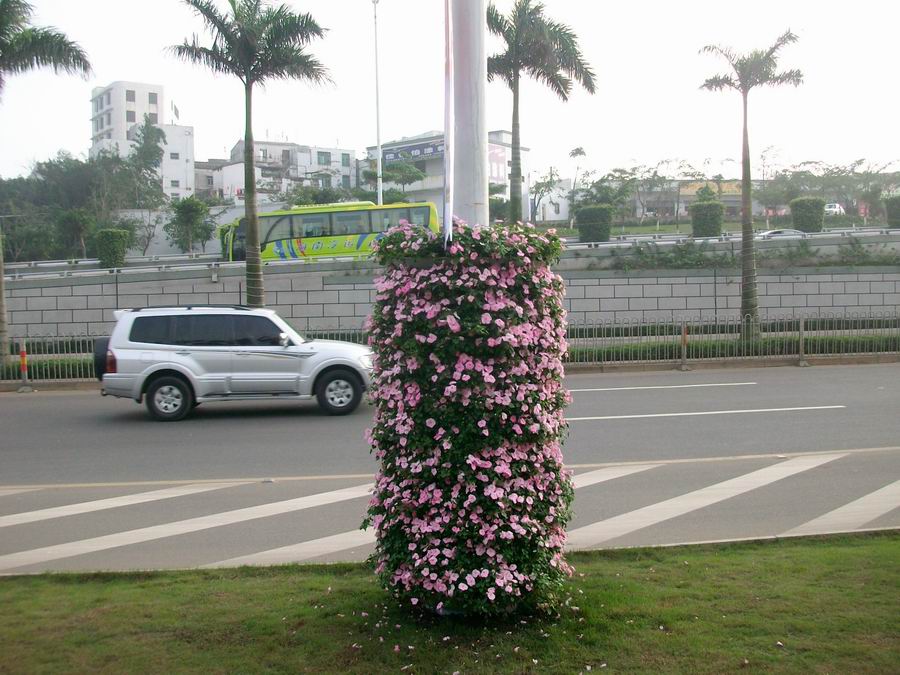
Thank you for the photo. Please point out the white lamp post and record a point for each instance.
(380, 187)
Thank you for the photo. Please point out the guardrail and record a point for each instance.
(653, 343)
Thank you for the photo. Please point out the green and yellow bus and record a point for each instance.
(345, 229)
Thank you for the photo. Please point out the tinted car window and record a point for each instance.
(354, 222)
(255, 331)
(312, 225)
(278, 228)
(151, 329)
(203, 330)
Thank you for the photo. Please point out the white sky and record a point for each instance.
(647, 107)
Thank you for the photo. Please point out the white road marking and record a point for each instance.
(111, 503)
(581, 480)
(617, 526)
(4, 492)
(853, 515)
(705, 412)
(302, 551)
(339, 542)
(67, 550)
(669, 386)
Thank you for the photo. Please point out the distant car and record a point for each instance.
(174, 358)
(834, 210)
(785, 232)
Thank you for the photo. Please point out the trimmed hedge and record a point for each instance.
(892, 207)
(808, 213)
(593, 222)
(706, 218)
(111, 247)
(68, 368)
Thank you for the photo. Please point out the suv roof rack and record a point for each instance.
(244, 308)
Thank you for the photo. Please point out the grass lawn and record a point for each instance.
(808, 605)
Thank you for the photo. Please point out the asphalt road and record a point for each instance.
(660, 457)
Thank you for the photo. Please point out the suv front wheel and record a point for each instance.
(339, 392)
(169, 399)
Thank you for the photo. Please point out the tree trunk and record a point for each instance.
(749, 306)
(515, 176)
(4, 333)
(255, 290)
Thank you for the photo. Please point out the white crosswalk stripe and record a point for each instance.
(854, 515)
(67, 550)
(851, 516)
(4, 492)
(111, 503)
(617, 526)
(345, 540)
(303, 551)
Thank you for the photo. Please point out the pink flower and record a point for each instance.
(453, 323)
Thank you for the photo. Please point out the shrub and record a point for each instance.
(471, 499)
(111, 247)
(892, 208)
(593, 222)
(808, 213)
(706, 218)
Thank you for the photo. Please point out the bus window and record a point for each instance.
(419, 216)
(239, 241)
(276, 228)
(382, 219)
(312, 225)
(350, 222)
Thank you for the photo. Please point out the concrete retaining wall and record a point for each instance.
(339, 295)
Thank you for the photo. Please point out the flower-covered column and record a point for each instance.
(471, 499)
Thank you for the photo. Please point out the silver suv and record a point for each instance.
(178, 357)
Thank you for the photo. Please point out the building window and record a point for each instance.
(325, 181)
(129, 116)
(556, 208)
(129, 95)
(345, 159)
(324, 158)
(152, 98)
(108, 98)
(154, 118)
(174, 155)
(109, 119)
(345, 182)
(174, 183)
(209, 181)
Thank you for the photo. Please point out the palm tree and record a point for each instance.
(24, 47)
(547, 51)
(754, 69)
(255, 43)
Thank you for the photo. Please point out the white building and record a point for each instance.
(426, 152)
(285, 163)
(118, 110)
(120, 105)
(554, 206)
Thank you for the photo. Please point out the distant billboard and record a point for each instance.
(416, 152)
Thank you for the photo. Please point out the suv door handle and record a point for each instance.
(183, 353)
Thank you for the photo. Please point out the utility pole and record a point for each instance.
(380, 186)
(470, 147)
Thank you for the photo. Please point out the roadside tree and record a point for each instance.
(190, 224)
(256, 43)
(543, 49)
(754, 69)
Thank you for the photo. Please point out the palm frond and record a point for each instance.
(725, 52)
(214, 58)
(217, 23)
(719, 82)
(289, 62)
(15, 15)
(569, 55)
(793, 77)
(497, 23)
(785, 39)
(553, 79)
(43, 47)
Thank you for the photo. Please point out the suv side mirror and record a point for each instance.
(284, 340)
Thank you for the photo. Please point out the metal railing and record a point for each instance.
(635, 342)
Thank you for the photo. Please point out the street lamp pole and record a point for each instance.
(377, 109)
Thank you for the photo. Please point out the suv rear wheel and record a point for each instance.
(169, 399)
(339, 392)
